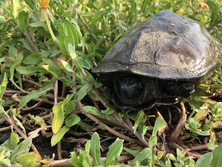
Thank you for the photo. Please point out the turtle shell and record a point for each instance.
(158, 62)
(167, 46)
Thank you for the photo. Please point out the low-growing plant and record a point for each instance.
(54, 111)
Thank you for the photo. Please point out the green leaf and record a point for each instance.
(23, 20)
(59, 115)
(67, 66)
(88, 146)
(217, 156)
(143, 129)
(72, 33)
(13, 140)
(33, 4)
(24, 70)
(39, 24)
(59, 135)
(13, 51)
(82, 92)
(56, 73)
(23, 147)
(204, 160)
(3, 86)
(159, 124)
(28, 159)
(52, 67)
(33, 59)
(216, 110)
(152, 141)
(194, 126)
(139, 118)
(72, 53)
(84, 158)
(70, 107)
(216, 13)
(72, 120)
(109, 110)
(75, 161)
(94, 111)
(133, 12)
(132, 152)
(95, 149)
(36, 93)
(142, 155)
(63, 42)
(212, 143)
(2, 19)
(17, 63)
(114, 152)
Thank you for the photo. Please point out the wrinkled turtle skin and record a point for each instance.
(158, 62)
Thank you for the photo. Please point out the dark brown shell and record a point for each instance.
(167, 46)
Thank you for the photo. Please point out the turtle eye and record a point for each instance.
(180, 89)
(129, 87)
(186, 89)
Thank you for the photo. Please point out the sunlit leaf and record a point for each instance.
(159, 124)
(36, 94)
(59, 114)
(70, 106)
(114, 152)
(3, 86)
(216, 13)
(17, 63)
(28, 159)
(152, 141)
(217, 111)
(67, 66)
(72, 120)
(139, 118)
(72, 33)
(95, 149)
(52, 70)
(23, 20)
(13, 140)
(75, 161)
(21, 148)
(33, 4)
(217, 156)
(94, 111)
(33, 59)
(59, 135)
(142, 155)
(204, 160)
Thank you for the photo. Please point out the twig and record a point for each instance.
(67, 163)
(183, 117)
(199, 147)
(136, 133)
(14, 126)
(56, 92)
(59, 148)
(33, 82)
(5, 129)
(95, 91)
(87, 27)
(104, 126)
(195, 155)
(18, 130)
(30, 42)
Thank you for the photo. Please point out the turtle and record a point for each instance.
(158, 62)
